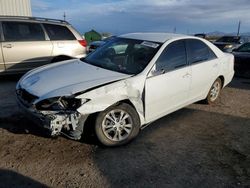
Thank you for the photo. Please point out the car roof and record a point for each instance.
(156, 37)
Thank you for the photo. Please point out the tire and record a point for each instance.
(117, 125)
(214, 92)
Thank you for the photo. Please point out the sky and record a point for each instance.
(123, 16)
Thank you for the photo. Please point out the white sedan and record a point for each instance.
(124, 85)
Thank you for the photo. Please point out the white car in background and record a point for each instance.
(125, 84)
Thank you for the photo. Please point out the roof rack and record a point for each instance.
(35, 18)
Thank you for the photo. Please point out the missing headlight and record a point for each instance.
(61, 104)
(71, 103)
(50, 104)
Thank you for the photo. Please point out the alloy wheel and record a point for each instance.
(215, 91)
(117, 125)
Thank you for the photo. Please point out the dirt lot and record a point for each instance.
(198, 146)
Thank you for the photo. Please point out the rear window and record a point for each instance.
(198, 51)
(59, 32)
(22, 31)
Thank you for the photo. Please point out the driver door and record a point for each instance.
(167, 86)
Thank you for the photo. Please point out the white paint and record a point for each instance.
(152, 96)
(166, 91)
(153, 37)
(67, 78)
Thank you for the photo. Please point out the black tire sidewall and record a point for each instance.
(135, 122)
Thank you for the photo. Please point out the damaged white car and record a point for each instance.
(127, 83)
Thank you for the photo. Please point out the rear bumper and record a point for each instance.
(228, 78)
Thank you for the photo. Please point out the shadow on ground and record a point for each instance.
(11, 179)
(240, 83)
(189, 148)
(18, 124)
(14, 77)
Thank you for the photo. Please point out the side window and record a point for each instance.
(22, 31)
(173, 57)
(198, 51)
(59, 32)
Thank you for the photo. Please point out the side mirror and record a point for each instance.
(157, 72)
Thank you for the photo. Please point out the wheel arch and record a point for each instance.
(129, 102)
(222, 80)
(126, 101)
(88, 128)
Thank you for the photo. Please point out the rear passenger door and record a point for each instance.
(25, 45)
(63, 40)
(204, 67)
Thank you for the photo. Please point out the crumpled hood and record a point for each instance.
(66, 78)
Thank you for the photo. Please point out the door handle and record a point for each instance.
(215, 65)
(7, 46)
(186, 75)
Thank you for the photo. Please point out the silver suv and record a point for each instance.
(29, 42)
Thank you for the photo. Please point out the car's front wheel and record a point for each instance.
(117, 125)
(214, 91)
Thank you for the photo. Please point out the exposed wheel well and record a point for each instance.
(222, 81)
(127, 101)
(88, 135)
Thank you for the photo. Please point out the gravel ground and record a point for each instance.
(198, 146)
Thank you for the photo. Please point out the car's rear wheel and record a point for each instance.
(117, 125)
(214, 91)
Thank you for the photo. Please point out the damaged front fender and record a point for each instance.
(106, 96)
(71, 122)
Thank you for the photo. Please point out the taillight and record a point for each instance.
(83, 42)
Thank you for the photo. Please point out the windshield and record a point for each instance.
(127, 56)
(244, 48)
(228, 39)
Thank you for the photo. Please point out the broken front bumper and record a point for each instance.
(55, 122)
